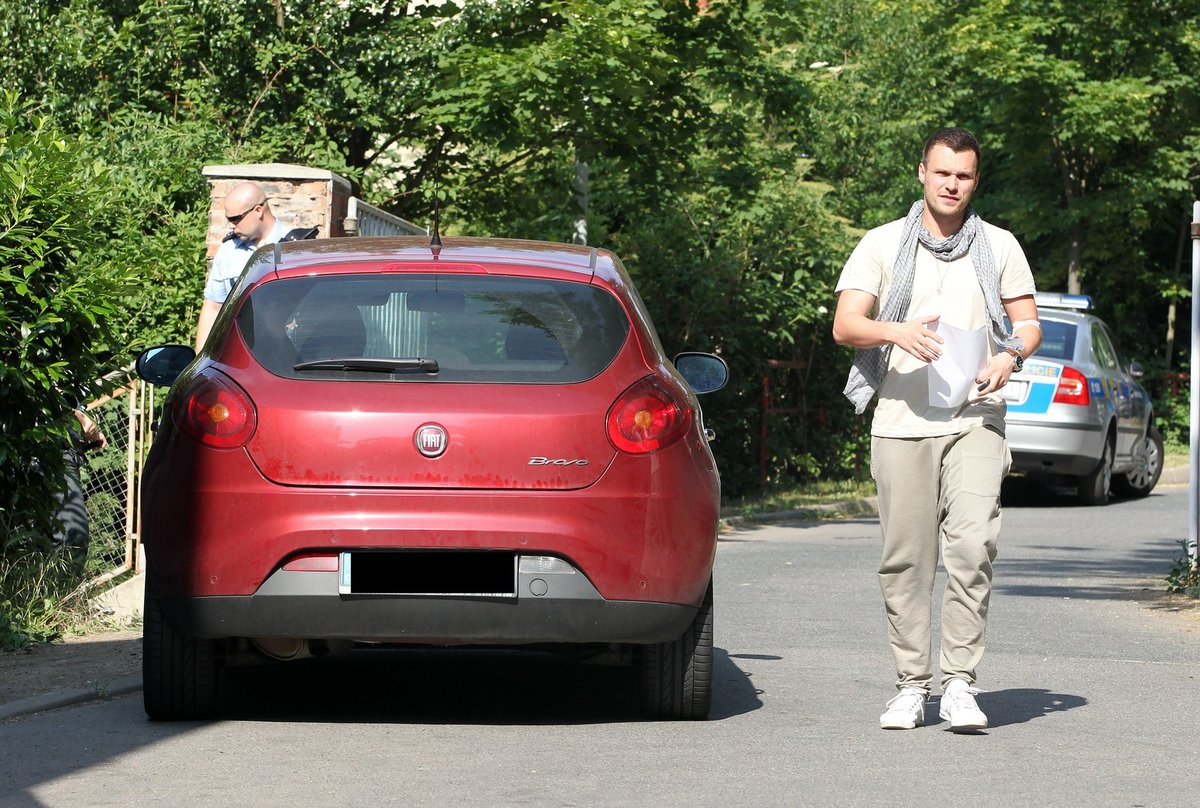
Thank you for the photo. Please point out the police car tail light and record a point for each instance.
(1072, 388)
(648, 416)
(216, 411)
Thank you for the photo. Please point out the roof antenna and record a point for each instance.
(435, 243)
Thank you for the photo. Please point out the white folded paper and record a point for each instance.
(952, 375)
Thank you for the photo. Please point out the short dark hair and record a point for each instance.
(957, 138)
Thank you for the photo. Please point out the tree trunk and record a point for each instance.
(1170, 348)
(1074, 258)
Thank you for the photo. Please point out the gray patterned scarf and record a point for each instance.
(870, 364)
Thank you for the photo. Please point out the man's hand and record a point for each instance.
(914, 337)
(92, 435)
(853, 326)
(995, 373)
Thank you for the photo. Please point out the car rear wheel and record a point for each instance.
(179, 672)
(1095, 487)
(1148, 466)
(677, 676)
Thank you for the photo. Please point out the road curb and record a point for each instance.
(1174, 475)
(813, 513)
(64, 698)
(869, 506)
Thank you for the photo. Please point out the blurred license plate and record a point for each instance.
(433, 573)
(1015, 391)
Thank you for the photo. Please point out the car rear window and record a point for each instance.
(1058, 341)
(476, 328)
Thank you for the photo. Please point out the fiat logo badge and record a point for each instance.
(430, 440)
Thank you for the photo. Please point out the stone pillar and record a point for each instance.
(300, 197)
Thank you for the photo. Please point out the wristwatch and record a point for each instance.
(1018, 360)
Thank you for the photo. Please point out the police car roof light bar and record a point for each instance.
(1057, 300)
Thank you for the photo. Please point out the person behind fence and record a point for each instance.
(940, 282)
(73, 534)
(249, 211)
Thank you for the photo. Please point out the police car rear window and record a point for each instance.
(1058, 340)
(444, 328)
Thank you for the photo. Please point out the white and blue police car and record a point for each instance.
(1077, 413)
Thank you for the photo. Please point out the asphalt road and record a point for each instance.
(1092, 695)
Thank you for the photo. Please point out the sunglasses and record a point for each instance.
(243, 214)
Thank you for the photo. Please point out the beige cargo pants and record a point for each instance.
(938, 491)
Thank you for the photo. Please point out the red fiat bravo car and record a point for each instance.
(384, 441)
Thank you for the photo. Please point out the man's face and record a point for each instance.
(246, 218)
(949, 178)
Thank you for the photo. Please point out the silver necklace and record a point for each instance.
(942, 275)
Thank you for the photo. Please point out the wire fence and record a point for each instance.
(111, 477)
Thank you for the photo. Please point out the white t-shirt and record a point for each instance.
(949, 289)
(231, 259)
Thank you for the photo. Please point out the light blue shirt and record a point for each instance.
(231, 259)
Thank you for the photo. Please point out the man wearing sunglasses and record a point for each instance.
(247, 209)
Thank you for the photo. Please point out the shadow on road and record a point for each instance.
(425, 686)
(1019, 491)
(1077, 572)
(1019, 705)
(1007, 707)
(458, 686)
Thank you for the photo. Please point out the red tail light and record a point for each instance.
(216, 412)
(1072, 388)
(650, 415)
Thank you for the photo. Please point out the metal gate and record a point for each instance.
(111, 476)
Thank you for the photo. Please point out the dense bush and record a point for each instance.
(747, 269)
(56, 303)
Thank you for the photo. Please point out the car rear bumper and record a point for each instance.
(213, 527)
(308, 605)
(1060, 448)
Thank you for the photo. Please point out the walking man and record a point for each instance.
(937, 284)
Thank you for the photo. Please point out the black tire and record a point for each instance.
(1094, 488)
(677, 676)
(179, 672)
(1140, 481)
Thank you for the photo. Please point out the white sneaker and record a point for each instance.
(959, 708)
(906, 710)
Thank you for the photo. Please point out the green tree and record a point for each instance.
(525, 87)
(879, 88)
(1091, 112)
(740, 252)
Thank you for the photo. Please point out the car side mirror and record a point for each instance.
(162, 364)
(704, 372)
(1135, 370)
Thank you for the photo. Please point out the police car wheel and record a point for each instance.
(1141, 479)
(1095, 487)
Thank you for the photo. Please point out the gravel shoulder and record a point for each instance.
(90, 661)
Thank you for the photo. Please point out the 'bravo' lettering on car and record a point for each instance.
(545, 461)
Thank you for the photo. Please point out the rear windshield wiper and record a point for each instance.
(373, 364)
